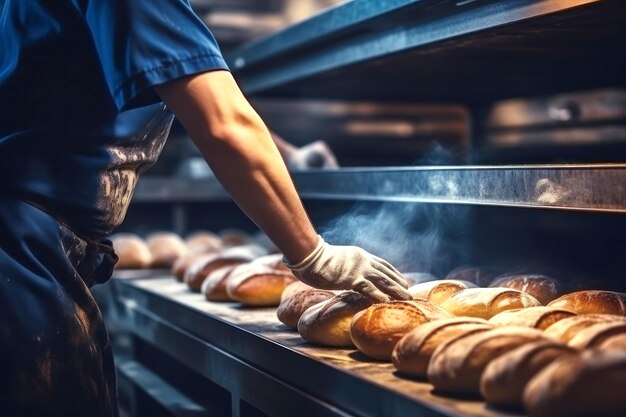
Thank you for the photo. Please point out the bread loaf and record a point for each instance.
(539, 317)
(412, 353)
(439, 291)
(487, 302)
(456, 367)
(273, 261)
(132, 251)
(165, 248)
(291, 309)
(180, 266)
(543, 288)
(617, 341)
(592, 302)
(234, 237)
(376, 330)
(596, 334)
(204, 265)
(588, 384)
(294, 288)
(214, 285)
(257, 285)
(204, 240)
(503, 380)
(328, 323)
(564, 330)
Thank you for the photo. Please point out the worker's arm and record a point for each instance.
(240, 150)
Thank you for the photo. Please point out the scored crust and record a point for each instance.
(487, 302)
(503, 380)
(412, 353)
(438, 291)
(291, 309)
(539, 317)
(592, 302)
(595, 334)
(456, 367)
(376, 330)
(588, 384)
(328, 323)
(543, 288)
(564, 330)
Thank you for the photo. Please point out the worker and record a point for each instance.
(87, 92)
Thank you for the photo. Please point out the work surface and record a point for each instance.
(262, 323)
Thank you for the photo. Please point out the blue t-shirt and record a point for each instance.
(79, 118)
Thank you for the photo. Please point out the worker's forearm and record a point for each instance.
(239, 149)
(256, 178)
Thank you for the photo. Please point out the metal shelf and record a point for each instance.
(257, 359)
(440, 50)
(597, 187)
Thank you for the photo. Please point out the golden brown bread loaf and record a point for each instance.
(503, 380)
(257, 285)
(132, 251)
(204, 240)
(588, 384)
(543, 288)
(214, 285)
(564, 330)
(487, 302)
(456, 367)
(596, 334)
(328, 323)
(592, 302)
(166, 248)
(438, 291)
(294, 288)
(412, 353)
(197, 271)
(180, 266)
(291, 309)
(539, 317)
(376, 330)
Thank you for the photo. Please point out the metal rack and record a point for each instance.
(472, 52)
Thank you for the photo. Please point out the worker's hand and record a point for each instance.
(314, 155)
(351, 268)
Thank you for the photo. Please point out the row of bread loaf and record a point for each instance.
(454, 334)
(163, 249)
(227, 267)
(493, 342)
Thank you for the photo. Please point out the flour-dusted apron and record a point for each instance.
(55, 355)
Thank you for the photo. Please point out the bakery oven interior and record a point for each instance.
(479, 133)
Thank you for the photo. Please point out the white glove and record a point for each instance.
(351, 268)
(314, 155)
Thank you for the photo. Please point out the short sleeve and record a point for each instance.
(142, 44)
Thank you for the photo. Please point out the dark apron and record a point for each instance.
(55, 354)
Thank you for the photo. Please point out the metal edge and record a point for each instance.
(464, 21)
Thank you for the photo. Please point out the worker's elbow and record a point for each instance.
(236, 127)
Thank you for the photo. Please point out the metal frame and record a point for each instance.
(583, 187)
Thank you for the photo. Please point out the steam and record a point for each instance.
(414, 237)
